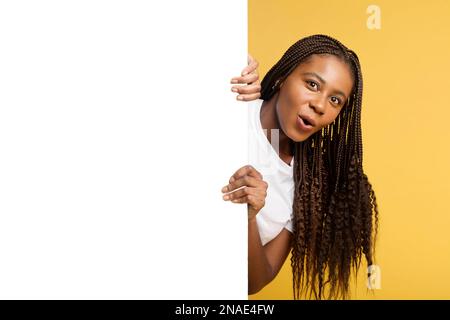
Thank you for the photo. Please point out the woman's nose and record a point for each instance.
(318, 105)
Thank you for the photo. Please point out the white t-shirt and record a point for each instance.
(263, 156)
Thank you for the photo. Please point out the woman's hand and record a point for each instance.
(249, 76)
(246, 185)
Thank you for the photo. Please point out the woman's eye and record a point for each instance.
(338, 101)
(315, 86)
(311, 83)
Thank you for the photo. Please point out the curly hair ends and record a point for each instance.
(335, 208)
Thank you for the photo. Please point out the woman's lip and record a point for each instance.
(302, 126)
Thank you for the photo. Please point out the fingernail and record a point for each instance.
(240, 98)
(225, 189)
(234, 81)
(232, 179)
(234, 89)
(226, 197)
(244, 73)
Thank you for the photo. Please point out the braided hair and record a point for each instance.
(335, 208)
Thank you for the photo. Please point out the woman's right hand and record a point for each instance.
(251, 90)
(252, 189)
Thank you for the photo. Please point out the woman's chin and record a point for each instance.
(297, 136)
(301, 137)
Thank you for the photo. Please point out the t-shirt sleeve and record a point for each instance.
(289, 226)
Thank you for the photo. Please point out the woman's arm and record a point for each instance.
(246, 185)
(264, 262)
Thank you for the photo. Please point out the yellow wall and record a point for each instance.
(406, 136)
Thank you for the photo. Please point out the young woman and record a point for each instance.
(314, 198)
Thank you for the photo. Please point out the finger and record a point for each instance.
(234, 182)
(244, 199)
(251, 67)
(258, 192)
(243, 181)
(249, 78)
(246, 170)
(251, 200)
(249, 58)
(249, 89)
(249, 97)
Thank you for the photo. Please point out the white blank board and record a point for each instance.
(118, 129)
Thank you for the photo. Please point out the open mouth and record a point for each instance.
(306, 122)
(304, 125)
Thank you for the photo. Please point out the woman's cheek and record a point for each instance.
(304, 94)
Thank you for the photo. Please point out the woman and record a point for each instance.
(323, 207)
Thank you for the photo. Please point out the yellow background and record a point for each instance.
(406, 110)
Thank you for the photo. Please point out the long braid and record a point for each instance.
(334, 203)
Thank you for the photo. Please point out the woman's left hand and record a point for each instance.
(249, 76)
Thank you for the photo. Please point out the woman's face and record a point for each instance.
(317, 89)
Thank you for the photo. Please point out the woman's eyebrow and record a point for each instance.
(323, 81)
